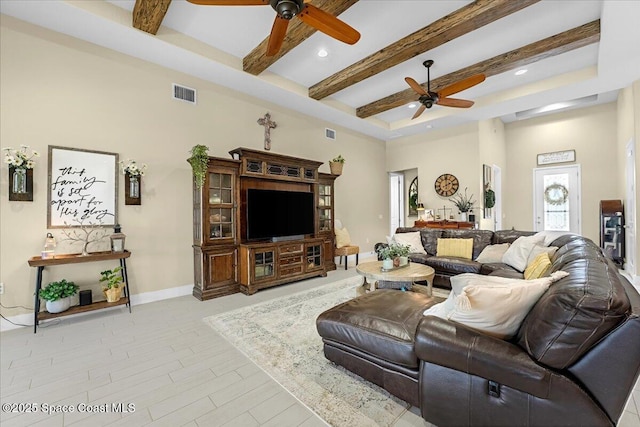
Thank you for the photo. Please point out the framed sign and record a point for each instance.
(83, 188)
(557, 157)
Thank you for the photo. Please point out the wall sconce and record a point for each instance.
(117, 239)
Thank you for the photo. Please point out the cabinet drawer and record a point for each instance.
(290, 270)
(289, 260)
(291, 249)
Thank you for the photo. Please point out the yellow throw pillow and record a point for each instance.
(461, 248)
(342, 237)
(538, 267)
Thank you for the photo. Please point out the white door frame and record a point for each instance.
(396, 201)
(630, 227)
(536, 200)
(497, 188)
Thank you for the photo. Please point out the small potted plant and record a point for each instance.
(112, 284)
(199, 161)
(401, 254)
(336, 165)
(385, 254)
(463, 203)
(58, 295)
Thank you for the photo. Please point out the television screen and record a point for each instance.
(274, 213)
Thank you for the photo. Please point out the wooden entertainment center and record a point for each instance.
(225, 262)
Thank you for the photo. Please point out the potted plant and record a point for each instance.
(58, 295)
(401, 254)
(112, 284)
(385, 254)
(336, 165)
(463, 203)
(199, 161)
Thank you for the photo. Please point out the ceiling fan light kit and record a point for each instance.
(428, 98)
(287, 10)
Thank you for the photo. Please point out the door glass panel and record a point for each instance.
(556, 202)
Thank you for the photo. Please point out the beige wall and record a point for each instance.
(453, 151)
(492, 152)
(60, 91)
(592, 133)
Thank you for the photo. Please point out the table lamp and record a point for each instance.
(420, 210)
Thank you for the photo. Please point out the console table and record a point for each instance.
(444, 224)
(40, 264)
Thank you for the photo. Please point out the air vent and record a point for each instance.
(184, 93)
(330, 133)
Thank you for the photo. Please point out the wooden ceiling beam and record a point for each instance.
(148, 14)
(257, 61)
(575, 38)
(456, 24)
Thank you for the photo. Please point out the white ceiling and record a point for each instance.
(218, 37)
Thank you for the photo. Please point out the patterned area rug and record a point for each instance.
(280, 336)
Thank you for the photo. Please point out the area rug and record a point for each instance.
(280, 336)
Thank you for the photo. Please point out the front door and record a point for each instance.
(556, 202)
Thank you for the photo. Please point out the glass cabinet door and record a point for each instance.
(264, 266)
(324, 207)
(314, 256)
(221, 206)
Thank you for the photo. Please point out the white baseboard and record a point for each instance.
(26, 320)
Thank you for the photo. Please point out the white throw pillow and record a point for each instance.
(497, 310)
(411, 239)
(342, 237)
(518, 253)
(538, 249)
(492, 253)
(550, 236)
(460, 281)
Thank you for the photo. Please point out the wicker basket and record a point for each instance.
(336, 168)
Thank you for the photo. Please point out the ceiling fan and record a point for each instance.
(286, 10)
(428, 98)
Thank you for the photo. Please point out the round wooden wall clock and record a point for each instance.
(446, 185)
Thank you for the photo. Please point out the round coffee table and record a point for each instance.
(412, 273)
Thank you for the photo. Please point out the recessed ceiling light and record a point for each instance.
(429, 126)
(521, 72)
(412, 105)
(322, 53)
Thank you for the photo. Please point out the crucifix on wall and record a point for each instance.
(268, 125)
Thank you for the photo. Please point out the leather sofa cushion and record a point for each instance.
(453, 265)
(481, 238)
(575, 313)
(509, 236)
(378, 323)
(500, 269)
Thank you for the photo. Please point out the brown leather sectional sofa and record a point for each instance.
(446, 267)
(573, 362)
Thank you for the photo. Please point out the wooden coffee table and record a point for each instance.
(412, 273)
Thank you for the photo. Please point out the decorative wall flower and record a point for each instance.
(463, 203)
(21, 158)
(132, 168)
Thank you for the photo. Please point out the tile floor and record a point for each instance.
(163, 360)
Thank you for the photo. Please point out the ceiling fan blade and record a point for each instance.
(415, 86)
(453, 102)
(461, 85)
(230, 2)
(328, 24)
(420, 111)
(278, 31)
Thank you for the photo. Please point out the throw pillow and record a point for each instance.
(492, 253)
(461, 248)
(538, 249)
(411, 239)
(550, 236)
(518, 253)
(342, 237)
(459, 281)
(538, 267)
(497, 310)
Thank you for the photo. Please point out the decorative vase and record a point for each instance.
(19, 181)
(59, 305)
(387, 264)
(404, 260)
(336, 168)
(463, 216)
(134, 187)
(113, 294)
(396, 261)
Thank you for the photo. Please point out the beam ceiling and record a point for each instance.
(555, 45)
(148, 14)
(456, 24)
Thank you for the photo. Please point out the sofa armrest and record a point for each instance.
(455, 346)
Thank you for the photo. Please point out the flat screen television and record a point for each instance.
(278, 215)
